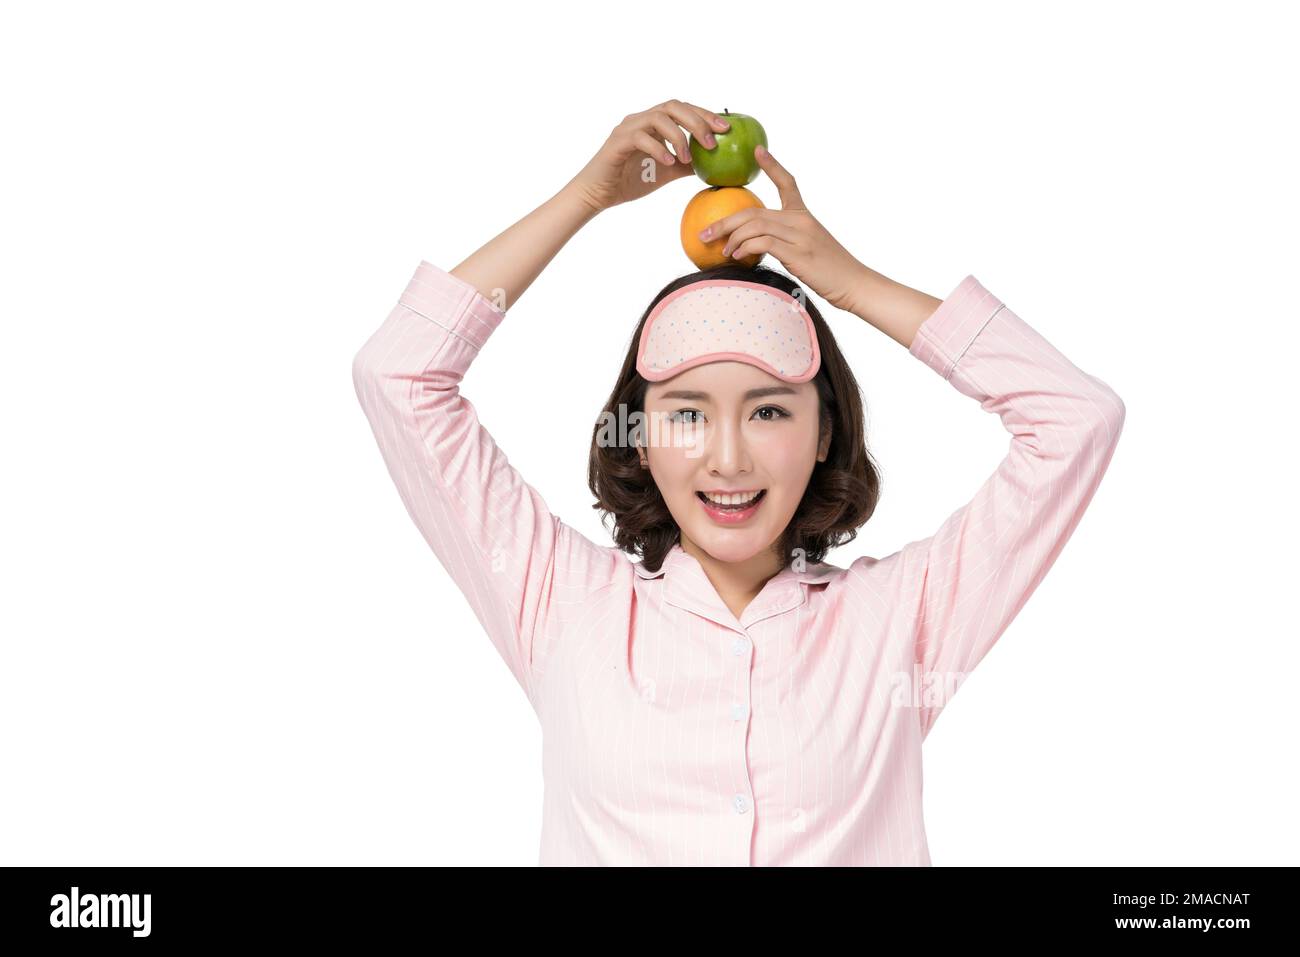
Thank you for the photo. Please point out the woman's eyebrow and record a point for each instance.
(751, 394)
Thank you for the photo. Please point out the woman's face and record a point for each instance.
(729, 426)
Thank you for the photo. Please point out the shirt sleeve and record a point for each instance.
(517, 564)
(972, 577)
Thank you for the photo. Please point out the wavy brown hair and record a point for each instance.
(842, 491)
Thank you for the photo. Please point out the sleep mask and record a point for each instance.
(717, 320)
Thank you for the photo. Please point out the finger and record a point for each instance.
(782, 250)
(677, 171)
(761, 225)
(664, 123)
(723, 226)
(698, 120)
(716, 121)
(780, 176)
(652, 147)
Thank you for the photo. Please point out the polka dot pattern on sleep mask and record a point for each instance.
(718, 320)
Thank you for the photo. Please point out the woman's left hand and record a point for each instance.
(794, 236)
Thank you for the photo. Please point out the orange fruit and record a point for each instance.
(706, 207)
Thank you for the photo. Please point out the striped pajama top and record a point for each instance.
(674, 733)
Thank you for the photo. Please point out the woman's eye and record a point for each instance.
(777, 413)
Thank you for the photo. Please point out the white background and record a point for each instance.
(224, 641)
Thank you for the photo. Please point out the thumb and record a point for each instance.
(682, 167)
(781, 177)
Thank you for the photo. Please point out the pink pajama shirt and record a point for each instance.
(674, 733)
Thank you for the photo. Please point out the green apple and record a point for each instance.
(731, 162)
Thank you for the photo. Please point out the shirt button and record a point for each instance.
(740, 803)
(737, 712)
(739, 646)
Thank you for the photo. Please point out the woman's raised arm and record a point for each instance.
(964, 584)
(960, 587)
(516, 563)
(519, 566)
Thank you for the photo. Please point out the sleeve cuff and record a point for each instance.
(452, 303)
(948, 332)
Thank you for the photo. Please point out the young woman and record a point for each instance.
(731, 699)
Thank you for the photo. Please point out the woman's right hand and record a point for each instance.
(634, 162)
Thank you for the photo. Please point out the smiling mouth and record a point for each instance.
(732, 508)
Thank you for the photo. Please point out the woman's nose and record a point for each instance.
(726, 450)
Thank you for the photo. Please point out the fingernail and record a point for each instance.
(709, 141)
(707, 233)
(668, 158)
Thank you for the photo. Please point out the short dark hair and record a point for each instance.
(842, 491)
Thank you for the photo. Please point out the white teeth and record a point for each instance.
(731, 499)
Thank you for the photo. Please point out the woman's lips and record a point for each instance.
(731, 516)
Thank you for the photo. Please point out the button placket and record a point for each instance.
(742, 650)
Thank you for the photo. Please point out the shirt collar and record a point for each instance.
(687, 586)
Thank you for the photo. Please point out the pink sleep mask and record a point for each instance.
(717, 320)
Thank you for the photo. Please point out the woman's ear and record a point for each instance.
(824, 446)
